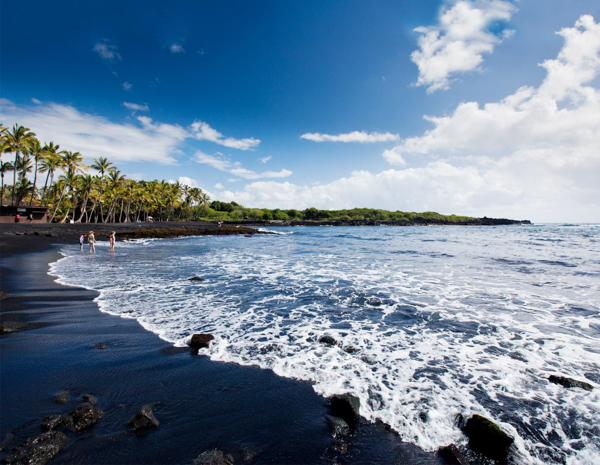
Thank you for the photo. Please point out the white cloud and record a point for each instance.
(187, 181)
(36, 101)
(202, 131)
(531, 155)
(457, 44)
(177, 48)
(136, 106)
(127, 85)
(219, 186)
(107, 51)
(221, 163)
(95, 136)
(265, 159)
(355, 136)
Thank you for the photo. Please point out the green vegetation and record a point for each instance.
(107, 197)
(235, 212)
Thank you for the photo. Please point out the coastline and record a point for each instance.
(202, 405)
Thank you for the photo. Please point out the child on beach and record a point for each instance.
(92, 242)
(112, 241)
(81, 240)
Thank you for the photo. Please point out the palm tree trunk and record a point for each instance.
(45, 185)
(83, 210)
(15, 177)
(64, 220)
(58, 204)
(34, 183)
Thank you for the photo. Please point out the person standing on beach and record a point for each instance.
(81, 240)
(92, 242)
(111, 238)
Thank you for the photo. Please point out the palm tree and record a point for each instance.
(50, 163)
(19, 140)
(23, 187)
(103, 166)
(67, 183)
(4, 167)
(115, 180)
(73, 162)
(38, 153)
(86, 184)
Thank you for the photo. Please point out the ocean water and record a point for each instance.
(432, 322)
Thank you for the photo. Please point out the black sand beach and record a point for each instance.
(247, 412)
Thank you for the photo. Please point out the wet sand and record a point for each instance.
(250, 413)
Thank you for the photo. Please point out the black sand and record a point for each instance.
(250, 413)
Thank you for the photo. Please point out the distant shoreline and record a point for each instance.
(419, 222)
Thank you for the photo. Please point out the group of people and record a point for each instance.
(91, 239)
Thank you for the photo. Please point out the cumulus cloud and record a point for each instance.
(177, 48)
(136, 106)
(265, 159)
(187, 181)
(355, 136)
(107, 51)
(202, 131)
(221, 163)
(219, 186)
(561, 117)
(457, 44)
(95, 136)
(532, 155)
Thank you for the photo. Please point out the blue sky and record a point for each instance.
(394, 104)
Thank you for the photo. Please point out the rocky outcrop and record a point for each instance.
(337, 425)
(213, 457)
(328, 340)
(485, 437)
(143, 419)
(346, 407)
(570, 382)
(63, 397)
(52, 422)
(452, 455)
(38, 450)
(85, 415)
(201, 341)
(196, 279)
(89, 398)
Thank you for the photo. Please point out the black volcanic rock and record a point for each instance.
(329, 340)
(452, 455)
(143, 419)
(201, 341)
(213, 457)
(570, 382)
(85, 415)
(196, 279)
(487, 438)
(38, 450)
(337, 425)
(52, 422)
(62, 397)
(345, 406)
